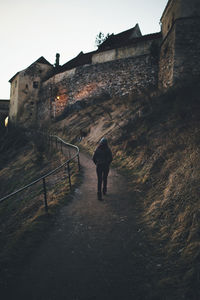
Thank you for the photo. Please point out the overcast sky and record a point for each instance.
(30, 29)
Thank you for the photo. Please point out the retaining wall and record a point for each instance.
(116, 78)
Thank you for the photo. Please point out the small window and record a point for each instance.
(15, 83)
(35, 84)
(26, 86)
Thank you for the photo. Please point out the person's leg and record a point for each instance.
(105, 176)
(99, 184)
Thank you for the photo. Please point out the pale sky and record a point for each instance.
(34, 28)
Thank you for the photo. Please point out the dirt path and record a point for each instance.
(97, 250)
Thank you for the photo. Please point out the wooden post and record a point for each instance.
(50, 141)
(79, 165)
(45, 195)
(69, 175)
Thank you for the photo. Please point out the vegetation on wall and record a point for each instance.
(100, 38)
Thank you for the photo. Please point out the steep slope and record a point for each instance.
(155, 140)
(23, 221)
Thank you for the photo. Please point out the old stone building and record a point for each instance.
(124, 63)
(25, 86)
(180, 48)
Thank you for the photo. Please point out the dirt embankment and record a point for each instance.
(155, 140)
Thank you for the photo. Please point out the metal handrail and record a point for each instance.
(49, 173)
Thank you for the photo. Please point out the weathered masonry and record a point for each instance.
(124, 63)
(180, 48)
(24, 90)
(114, 72)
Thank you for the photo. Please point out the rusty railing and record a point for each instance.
(66, 165)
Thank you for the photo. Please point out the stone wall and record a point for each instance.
(187, 48)
(180, 52)
(166, 63)
(14, 91)
(114, 78)
(180, 49)
(24, 93)
(170, 14)
(190, 8)
(176, 9)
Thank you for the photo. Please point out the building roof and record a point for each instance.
(42, 60)
(126, 38)
(80, 60)
(11, 79)
(134, 41)
(120, 39)
(146, 37)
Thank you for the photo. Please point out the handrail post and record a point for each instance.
(45, 195)
(69, 175)
(49, 141)
(79, 165)
(56, 142)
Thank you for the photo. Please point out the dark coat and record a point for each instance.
(102, 155)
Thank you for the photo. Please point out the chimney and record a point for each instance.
(57, 60)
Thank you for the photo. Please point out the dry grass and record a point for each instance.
(23, 220)
(155, 140)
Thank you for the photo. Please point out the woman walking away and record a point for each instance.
(102, 158)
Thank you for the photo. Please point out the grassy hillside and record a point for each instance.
(23, 220)
(155, 139)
